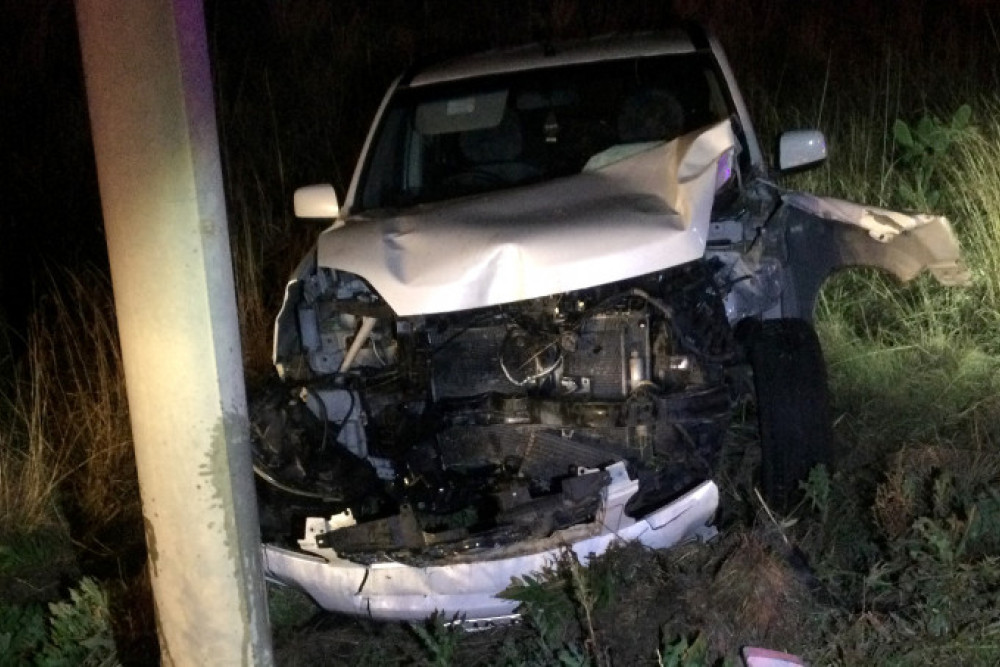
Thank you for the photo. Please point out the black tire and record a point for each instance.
(793, 406)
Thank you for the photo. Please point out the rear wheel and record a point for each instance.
(793, 408)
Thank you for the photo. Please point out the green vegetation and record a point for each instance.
(893, 556)
(68, 490)
(74, 633)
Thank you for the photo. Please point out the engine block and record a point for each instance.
(605, 356)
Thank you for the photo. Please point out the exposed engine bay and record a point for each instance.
(447, 433)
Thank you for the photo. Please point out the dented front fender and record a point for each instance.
(824, 235)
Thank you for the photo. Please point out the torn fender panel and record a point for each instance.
(825, 234)
(631, 217)
(394, 591)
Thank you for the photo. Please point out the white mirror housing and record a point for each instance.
(801, 148)
(316, 201)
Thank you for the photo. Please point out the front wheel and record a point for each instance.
(793, 406)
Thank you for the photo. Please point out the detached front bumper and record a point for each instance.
(468, 585)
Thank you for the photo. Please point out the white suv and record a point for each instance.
(526, 327)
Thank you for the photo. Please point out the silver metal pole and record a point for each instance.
(152, 113)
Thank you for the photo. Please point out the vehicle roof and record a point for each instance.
(539, 55)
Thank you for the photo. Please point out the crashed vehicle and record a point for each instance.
(556, 271)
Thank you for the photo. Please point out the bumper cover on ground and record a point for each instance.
(467, 586)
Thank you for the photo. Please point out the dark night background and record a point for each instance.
(297, 82)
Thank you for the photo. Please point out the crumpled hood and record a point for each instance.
(633, 216)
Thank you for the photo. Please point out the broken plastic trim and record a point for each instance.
(467, 586)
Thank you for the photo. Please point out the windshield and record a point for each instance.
(459, 138)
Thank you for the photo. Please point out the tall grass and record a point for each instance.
(69, 448)
(973, 181)
(31, 468)
(915, 379)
